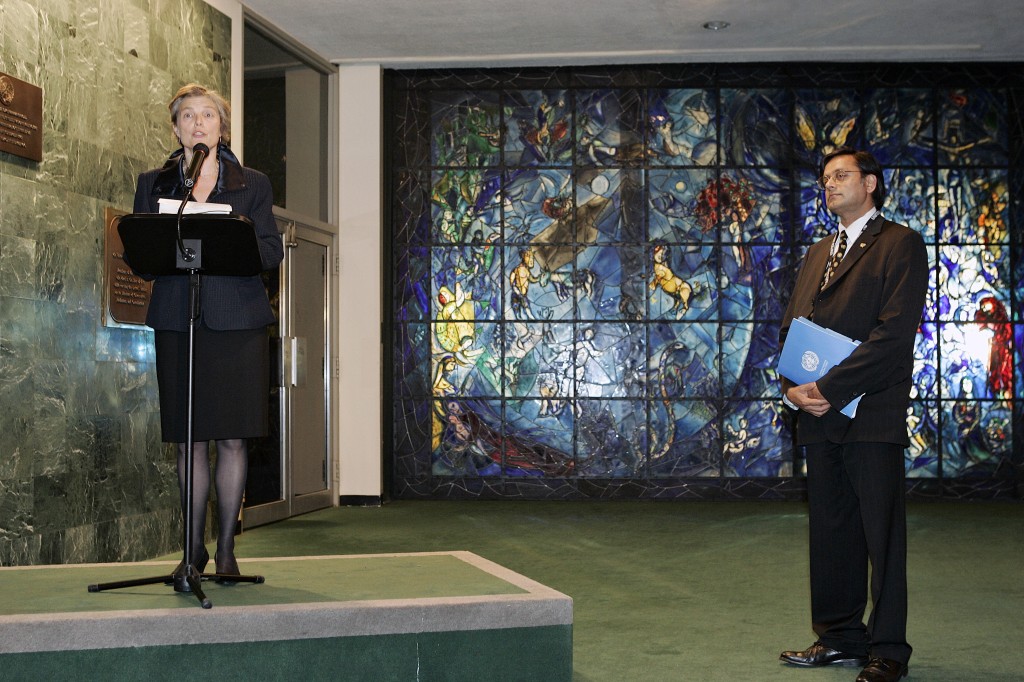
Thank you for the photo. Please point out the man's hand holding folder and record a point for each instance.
(812, 350)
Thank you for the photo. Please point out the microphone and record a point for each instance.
(199, 154)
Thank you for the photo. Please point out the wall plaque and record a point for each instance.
(127, 295)
(21, 118)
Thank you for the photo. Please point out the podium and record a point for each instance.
(192, 245)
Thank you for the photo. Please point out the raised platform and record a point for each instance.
(424, 616)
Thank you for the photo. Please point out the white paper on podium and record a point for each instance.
(812, 350)
(172, 205)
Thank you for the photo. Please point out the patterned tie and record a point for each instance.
(837, 257)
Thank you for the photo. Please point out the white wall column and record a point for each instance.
(360, 279)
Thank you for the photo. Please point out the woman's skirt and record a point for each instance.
(231, 385)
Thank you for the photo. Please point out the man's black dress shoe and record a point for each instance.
(818, 655)
(883, 670)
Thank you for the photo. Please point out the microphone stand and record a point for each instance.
(193, 262)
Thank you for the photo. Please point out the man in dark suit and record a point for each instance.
(867, 282)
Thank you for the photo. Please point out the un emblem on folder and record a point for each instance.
(809, 360)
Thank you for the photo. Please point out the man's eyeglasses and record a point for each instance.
(838, 176)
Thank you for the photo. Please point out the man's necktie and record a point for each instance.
(837, 257)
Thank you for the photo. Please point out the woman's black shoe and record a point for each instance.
(226, 568)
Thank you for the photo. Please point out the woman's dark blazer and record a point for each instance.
(225, 302)
(876, 296)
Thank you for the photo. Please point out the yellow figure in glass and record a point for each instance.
(455, 330)
(678, 289)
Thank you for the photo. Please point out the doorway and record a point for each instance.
(288, 107)
(290, 470)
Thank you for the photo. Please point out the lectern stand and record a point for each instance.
(190, 245)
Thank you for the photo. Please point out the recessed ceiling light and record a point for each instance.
(716, 25)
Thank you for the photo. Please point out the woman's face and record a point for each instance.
(198, 121)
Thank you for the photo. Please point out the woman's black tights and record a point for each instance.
(232, 465)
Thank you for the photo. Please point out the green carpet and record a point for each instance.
(671, 590)
(705, 590)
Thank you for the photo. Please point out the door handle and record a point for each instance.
(294, 360)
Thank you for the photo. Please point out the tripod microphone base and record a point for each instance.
(189, 581)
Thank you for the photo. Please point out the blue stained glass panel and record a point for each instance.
(683, 361)
(539, 126)
(769, 281)
(605, 281)
(602, 364)
(412, 365)
(599, 206)
(922, 457)
(464, 285)
(750, 356)
(926, 367)
(751, 206)
(1018, 347)
(973, 207)
(977, 361)
(755, 442)
(611, 439)
(465, 206)
(1018, 286)
(411, 437)
(683, 127)
(609, 127)
(683, 283)
(969, 275)
(412, 291)
(466, 438)
(815, 220)
(897, 126)
(972, 128)
(826, 120)
(535, 445)
(910, 200)
(672, 197)
(411, 221)
(755, 128)
(977, 437)
(538, 359)
(684, 439)
(523, 370)
(535, 200)
(466, 129)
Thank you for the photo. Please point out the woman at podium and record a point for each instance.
(231, 351)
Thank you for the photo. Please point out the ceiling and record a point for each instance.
(414, 33)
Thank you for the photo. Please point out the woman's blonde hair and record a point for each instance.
(196, 90)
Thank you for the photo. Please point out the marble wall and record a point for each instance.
(83, 474)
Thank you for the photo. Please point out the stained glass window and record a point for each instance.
(588, 269)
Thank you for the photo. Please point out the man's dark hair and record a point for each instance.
(867, 165)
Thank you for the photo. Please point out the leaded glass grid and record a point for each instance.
(588, 268)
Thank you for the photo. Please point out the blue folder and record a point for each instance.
(812, 350)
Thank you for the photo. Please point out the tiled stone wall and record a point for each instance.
(83, 475)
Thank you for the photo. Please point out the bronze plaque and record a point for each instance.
(127, 295)
(21, 118)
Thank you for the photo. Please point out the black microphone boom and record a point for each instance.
(199, 154)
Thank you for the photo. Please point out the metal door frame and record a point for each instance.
(294, 227)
